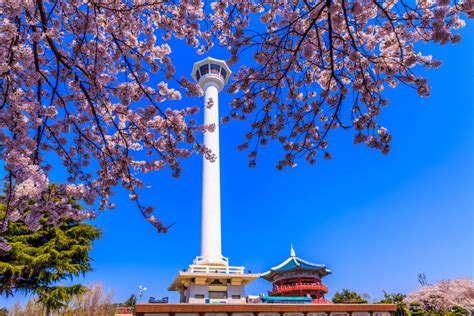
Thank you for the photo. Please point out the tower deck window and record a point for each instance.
(215, 69)
(204, 69)
(223, 73)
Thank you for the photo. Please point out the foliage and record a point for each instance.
(90, 83)
(32, 307)
(3, 311)
(348, 297)
(443, 296)
(458, 310)
(416, 309)
(55, 298)
(396, 298)
(131, 301)
(392, 298)
(38, 260)
(94, 302)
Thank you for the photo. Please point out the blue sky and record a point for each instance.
(376, 221)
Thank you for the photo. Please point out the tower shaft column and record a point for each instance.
(211, 195)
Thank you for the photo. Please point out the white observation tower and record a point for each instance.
(211, 75)
(210, 279)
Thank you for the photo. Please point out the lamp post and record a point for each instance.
(141, 289)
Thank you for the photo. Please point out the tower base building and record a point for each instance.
(212, 284)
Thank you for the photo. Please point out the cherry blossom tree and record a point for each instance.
(322, 65)
(443, 296)
(87, 86)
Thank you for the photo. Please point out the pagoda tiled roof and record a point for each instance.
(295, 263)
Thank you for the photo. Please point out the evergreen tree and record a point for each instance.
(131, 301)
(417, 310)
(458, 310)
(396, 298)
(39, 259)
(348, 297)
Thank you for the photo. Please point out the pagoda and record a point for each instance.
(296, 277)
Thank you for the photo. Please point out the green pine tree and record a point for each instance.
(39, 260)
(458, 310)
(348, 297)
(131, 301)
(417, 310)
(396, 298)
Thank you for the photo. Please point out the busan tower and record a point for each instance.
(210, 279)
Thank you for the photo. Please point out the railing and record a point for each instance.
(200, 260)
(298, 287)
(215, 269)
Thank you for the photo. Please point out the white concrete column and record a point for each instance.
(211, 193)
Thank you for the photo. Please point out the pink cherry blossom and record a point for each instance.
(86, 87)
(89, 87)
(442, 296)
(325, 65)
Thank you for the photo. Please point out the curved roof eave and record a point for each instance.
(298, 263)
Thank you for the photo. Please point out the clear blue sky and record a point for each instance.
(376, 221)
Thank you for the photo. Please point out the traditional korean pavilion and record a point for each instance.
(296, 277)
